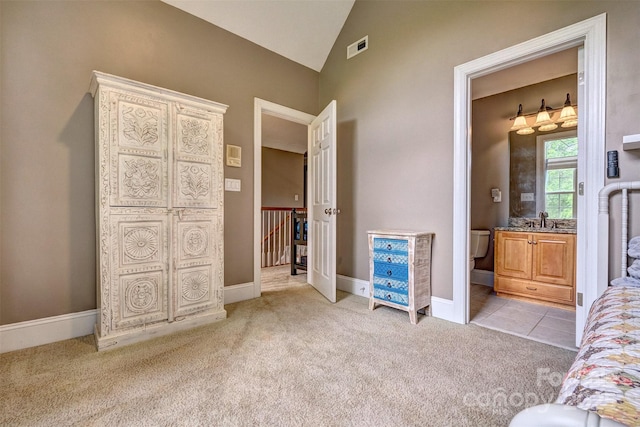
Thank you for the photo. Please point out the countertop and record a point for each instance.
(538, 230)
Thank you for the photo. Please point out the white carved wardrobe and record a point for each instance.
(159, 210)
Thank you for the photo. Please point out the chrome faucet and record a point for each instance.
(543, 219)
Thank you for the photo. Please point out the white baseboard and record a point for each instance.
(482, 277)
(32, 333)
(239, 292)
(442, 308)
(353, 286)
(17, 336)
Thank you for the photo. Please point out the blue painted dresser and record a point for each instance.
(400, 270)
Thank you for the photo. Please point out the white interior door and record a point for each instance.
(322, 208)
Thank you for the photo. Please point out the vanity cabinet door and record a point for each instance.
(513, 254)
(553, 258)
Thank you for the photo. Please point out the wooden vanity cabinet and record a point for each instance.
(538, 266)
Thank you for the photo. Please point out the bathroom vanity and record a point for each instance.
(536, 264)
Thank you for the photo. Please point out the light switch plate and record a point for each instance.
(232, 184)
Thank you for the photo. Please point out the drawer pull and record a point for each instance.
(389, 272)
(389, 246)
(532, 288)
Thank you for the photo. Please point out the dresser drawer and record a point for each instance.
(556, 293)
(390, 245)
(391, 271)
(390, 296)
(391, 257)
(394, 285)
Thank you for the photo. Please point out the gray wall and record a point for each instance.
(47, 140)
(282, 178)
(395, 108)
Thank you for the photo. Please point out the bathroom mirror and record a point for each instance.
(551, 155)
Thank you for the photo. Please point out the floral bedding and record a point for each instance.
(605, 376)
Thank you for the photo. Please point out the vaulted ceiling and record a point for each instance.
(301, 30)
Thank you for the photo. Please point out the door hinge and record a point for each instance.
(579, 299)
(581, 189)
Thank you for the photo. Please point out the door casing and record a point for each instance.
(265, 107)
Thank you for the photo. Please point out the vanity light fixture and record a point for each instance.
(568, 116)
(544, 118)
(520, 124)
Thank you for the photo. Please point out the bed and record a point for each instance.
(602, 387)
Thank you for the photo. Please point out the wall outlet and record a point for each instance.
(295, 197)
(527, 197)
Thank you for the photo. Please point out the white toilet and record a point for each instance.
(478, 246)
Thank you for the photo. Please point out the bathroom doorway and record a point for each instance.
(591, 34)
(508, 178)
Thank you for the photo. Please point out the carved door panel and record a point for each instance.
(139, 267)
(197, 206)
(139, 138)
(197, 157)
(198, 261)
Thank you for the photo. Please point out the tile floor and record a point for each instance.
(549, 325)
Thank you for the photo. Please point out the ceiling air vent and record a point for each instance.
(358, 47)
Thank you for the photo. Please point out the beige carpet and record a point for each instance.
(288, 358)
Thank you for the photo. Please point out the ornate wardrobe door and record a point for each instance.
(198, 215)
(138, 170)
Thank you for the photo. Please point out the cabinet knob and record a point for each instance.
(388, 296)
(389, 272)
(388, 259)
(389, 246)
(388, 284)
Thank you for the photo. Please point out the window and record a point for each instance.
(558, 166)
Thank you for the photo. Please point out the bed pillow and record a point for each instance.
(634, 269)
(634, 247)
(625, 281)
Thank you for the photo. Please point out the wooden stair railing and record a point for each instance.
(276, 229)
